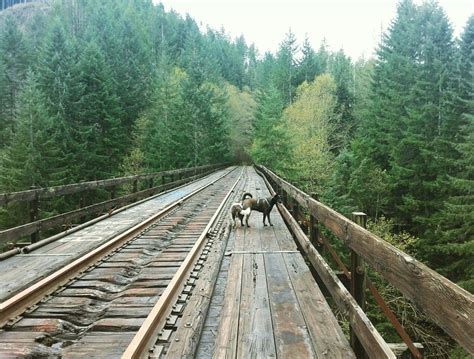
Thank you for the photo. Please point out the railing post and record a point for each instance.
(135, 185)
(34, 214)
(313, 226)
(358, 283)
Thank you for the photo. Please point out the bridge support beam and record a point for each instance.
(358, 284)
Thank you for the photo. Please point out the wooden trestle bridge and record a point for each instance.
(155, 270)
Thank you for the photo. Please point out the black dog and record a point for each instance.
(236, 209)
(264, 205)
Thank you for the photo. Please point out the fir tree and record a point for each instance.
(14, 63)
(28, 159)
(98, 117)
(284, 77)
(56, 71)
(341, 70)
(423, 156)
(270, 145)
(308, 67)
(449, 245)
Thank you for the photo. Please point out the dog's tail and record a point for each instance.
(246, 195)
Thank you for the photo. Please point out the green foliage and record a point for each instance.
(14, 61)
(270, 145)
(29, 160)
(284, 74)
(241, 111)
(312, 125)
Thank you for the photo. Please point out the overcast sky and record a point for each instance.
(354, 25)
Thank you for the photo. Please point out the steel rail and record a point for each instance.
(20, 302)
(146, 336)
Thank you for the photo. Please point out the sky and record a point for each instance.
(354, 25)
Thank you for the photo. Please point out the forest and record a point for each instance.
(96, 89)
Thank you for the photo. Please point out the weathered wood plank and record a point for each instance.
(255, 337)
(327, 336)
(226, 340)
(415, 280)
(370, 338)
(189, 334)
(292, 339)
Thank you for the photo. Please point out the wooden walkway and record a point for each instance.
(272, 306)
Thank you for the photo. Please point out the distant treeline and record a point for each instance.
(7, 3)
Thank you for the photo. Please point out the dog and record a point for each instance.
(264, 205)
(236, 209)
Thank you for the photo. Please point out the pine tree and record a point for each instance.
(341, 70)
(28, 159)
(98, 116)
(56, 72)
(450, 243)
(5, 127)
(308, 67)
(284, 76)
(270, 145)
(14, 57)
(423, 155)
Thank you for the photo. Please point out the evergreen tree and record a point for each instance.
(423, 156)
(56, 77)
(270, 145)
(27, 161)
(449, 245)
(284, 77)
(264, 71)
(14, 63)
(341, 70)
(5, 127)
(98, 117)
(308, 67)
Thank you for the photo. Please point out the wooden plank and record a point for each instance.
(98, 345)
(194, 315)
(366, 332)
(326, 334)
(291, 336)
(415, 280)
(226, 340)
(255, 336)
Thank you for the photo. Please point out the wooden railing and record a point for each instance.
(167, 179)
(447, 304)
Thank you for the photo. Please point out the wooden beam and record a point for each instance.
(450, 306)
(49, 192)
(358, 284)
(15, 233)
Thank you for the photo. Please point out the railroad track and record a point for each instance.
(126, 296)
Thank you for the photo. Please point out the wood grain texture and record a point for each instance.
(226, 340)
(326, 334)
(415, 280)
(255, 337)
(196, 309)
(291, 336)
(369, 337)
